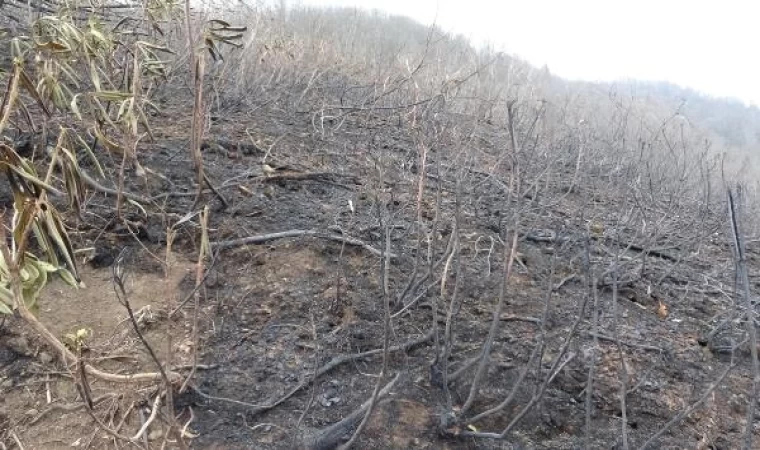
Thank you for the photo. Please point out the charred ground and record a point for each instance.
(622, 275)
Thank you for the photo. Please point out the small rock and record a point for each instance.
(259, 259)
(155, 434)
(45, 358)
(102, 257)
(20, 345)
(328, 402)
(33, 412)
(738, 404)
(330, 396)
(213, 279)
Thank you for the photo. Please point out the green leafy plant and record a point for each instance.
(34, 216)
(92, 82)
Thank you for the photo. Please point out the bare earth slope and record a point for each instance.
(289, 312)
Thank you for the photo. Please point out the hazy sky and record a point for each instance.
(712, 46)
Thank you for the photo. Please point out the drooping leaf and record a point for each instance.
(27, 84)
(90, 154)
(113, 96)
(24, 216)
(108, 143)
(69, 278)
(56, 230)
(74, 106)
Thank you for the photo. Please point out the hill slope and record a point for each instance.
(499, 258)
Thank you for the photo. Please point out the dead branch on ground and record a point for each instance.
(335, 362)
(263, 238)
(330, 437)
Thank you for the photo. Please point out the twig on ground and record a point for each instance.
(17, 440)
(197, 367)
(332, 364)
(106, 190)
(463, 368)
(185, 432)
(225, 203)
(92, 183)
(191, 294)
(67, 408)
(565, 280)
(149, 420)
(513, 318)
(324, 177)
(124, 417)
(330, 436)
(103, 426)
(604, 337)
(262, 238)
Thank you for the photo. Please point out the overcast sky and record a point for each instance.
(711, 46)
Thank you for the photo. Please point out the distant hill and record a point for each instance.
(370, 46)
(736, 124)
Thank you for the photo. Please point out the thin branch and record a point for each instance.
(332, 364)
(106, 190)
(118, 278)
(386, 339)
(328, 438)
(743, 276)
(605, 337)
(262, 238)
(190, 295)
(537, 350)
(621, 355)
(510, 253)
(151, 418)
(594, 292)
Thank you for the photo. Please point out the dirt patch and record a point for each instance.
(41, 402)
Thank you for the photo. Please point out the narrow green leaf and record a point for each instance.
(69, 278)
